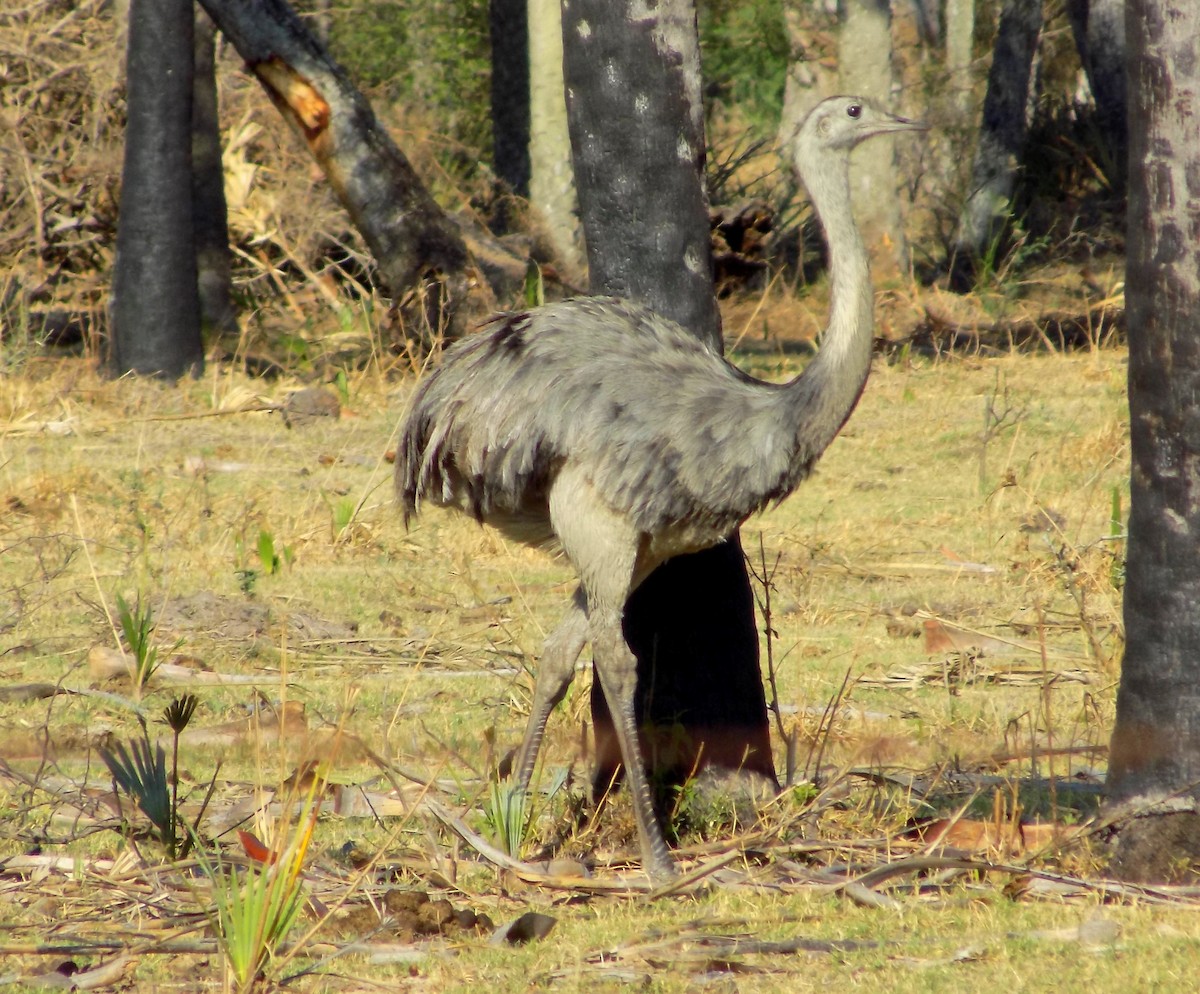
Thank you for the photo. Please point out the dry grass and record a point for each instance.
(932, 529)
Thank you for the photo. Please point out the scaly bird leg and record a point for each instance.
(554, 674)
(617, 669)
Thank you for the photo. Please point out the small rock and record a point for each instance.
(304, 406)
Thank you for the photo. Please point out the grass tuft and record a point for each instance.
(255, 907)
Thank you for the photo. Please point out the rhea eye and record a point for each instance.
(854, 110)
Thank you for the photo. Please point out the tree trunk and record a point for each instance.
(416, 245)
(209, 213)
(637, 133)
(960, 53)
(1001, 139)
(637, 136)
(865, 69)
(808, 81)
(155, 308)
(552, 180)
(1099, 29)
(509, 28)
(1154, 764)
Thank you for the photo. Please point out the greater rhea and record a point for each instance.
(597, 425)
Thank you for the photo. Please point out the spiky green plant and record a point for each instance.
(178, 715)
(507, 814)
(273, 561)
(137, 625)
(534, 289)
(139, 770)
(255, 907)
(1116, 534)
(343, 517)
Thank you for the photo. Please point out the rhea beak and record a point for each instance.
(893, 122)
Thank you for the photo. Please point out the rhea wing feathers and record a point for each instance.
(670, 432)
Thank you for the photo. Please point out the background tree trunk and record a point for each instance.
(808, 82)
(508, 23)
(1001, 139)
(1099, 29)
(637, 133)
(865, 69)
(960, 53)
(552, 179)
(1155, 754)
(209, 213)
(155, 307)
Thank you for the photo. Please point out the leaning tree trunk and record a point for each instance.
(1154, 764)
(1001, 139)
(155, 309)
(637, 133)
(416, 245)
(209, 213)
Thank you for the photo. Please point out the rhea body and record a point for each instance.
(599, 426)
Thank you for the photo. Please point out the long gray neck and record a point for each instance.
(823, 396)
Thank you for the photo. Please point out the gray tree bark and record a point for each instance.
(960, 52)
(636, 118)
(552, 178)
(209, 212)
(1154, 763)
(865, 69)
(155, 307)
(1002, 136)
(637, 132)
(808, 82)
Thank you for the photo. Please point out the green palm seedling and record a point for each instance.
(137, 625)
(139, 770)
(508, 816)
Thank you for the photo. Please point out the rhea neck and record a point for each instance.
(826, 392)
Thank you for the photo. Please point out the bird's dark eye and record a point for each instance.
(854, 110)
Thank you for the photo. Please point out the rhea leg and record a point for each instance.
(554, 674)
(606, 550)
(617, 669)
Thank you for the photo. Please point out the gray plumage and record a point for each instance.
(597, 424)
(669, 431)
